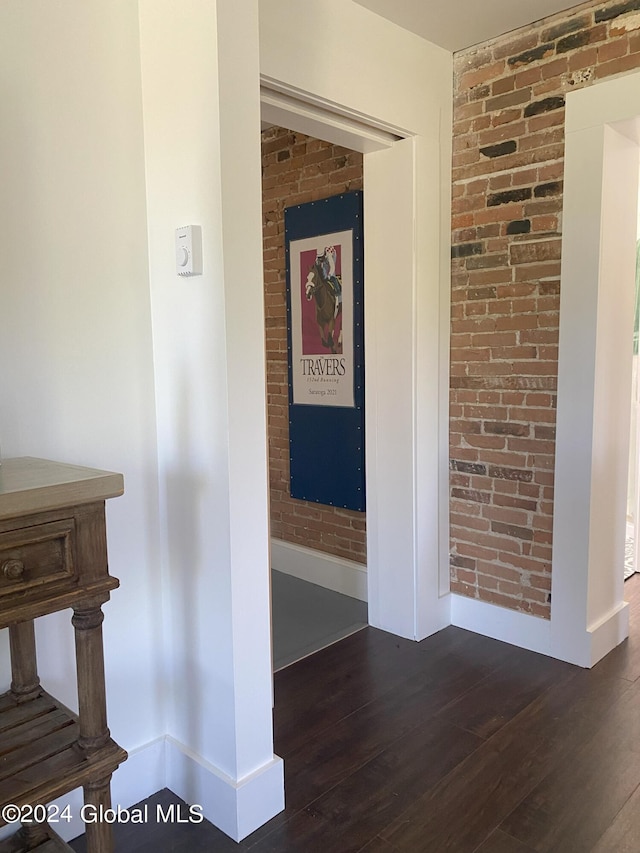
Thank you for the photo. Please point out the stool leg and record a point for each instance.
(25, 683)
(92, 715)
(92, 699)
(99, 833)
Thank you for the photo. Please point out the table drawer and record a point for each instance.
(38, 555)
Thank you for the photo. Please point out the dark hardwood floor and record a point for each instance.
(458, 743)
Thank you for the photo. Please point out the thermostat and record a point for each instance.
(189, 250)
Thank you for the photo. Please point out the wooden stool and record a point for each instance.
(53, 556)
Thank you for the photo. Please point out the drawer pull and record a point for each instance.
(13, 569)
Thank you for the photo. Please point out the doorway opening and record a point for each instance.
(318, 551)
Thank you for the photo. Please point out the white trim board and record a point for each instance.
(510, 626)
(237, 808)
(335, 573)
(540, 635)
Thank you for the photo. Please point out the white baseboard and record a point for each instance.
(336, 573)
(510, 626)
(237, 808)
(580, 647)
(608, 633)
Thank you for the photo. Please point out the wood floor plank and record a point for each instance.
(500, 842)
(489, 785)
(623, 834)
(498, 698)
(379, 845)
(356, 739)
(353, 813)
(314, 694)
(576, 803)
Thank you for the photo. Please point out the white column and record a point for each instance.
(202, 122)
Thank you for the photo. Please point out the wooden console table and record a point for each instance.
(53, 556)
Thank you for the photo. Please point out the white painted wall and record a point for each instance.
(200, 87)
(76, 369)
(80, 366)
(375, 72)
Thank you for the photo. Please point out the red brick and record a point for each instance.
(475, 58)
(527, 77)
(509, 99)
(535, 252)
(501, 133)
(555, 68)
(612, 49)
(514, 44)
(499, 87)
(542, 139)
(618, 66)
(481, 123)
(583, 59)
(479, 75)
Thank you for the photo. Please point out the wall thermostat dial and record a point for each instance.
(189, 250)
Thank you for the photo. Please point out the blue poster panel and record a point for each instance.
(325, 332)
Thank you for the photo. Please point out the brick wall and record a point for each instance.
(507, 203)
(298, 169)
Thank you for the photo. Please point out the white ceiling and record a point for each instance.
(456, 24)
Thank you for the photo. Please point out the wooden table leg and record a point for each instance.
(92, 706)
(92, 698)
(25, 683)
(99, 833)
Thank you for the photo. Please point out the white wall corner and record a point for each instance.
(326, 570)
(237, 807)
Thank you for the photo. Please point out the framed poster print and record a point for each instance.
(322, 353)
(325, 338)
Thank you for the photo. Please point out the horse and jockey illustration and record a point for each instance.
(324, 285)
